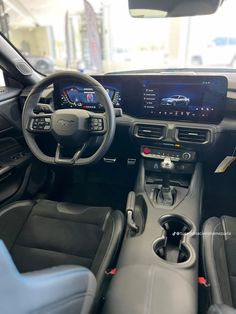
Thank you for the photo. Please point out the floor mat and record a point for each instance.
(96, 195)
(96, 186)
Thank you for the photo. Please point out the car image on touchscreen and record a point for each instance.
(175, 100)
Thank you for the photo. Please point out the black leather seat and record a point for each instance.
(219, 255)
(41, 234)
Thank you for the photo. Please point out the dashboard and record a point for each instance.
(203, 121)
(191, 98)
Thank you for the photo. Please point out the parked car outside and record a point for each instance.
(221, 51)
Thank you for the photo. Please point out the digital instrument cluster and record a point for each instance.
(71, 95)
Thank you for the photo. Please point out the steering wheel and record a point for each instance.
(69, 127)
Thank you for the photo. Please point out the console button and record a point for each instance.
(146, 150)
(186, 156)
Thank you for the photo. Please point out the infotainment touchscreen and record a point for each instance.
(194, 98)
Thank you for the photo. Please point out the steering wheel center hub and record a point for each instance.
(70, 127)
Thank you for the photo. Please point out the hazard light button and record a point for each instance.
(146, 150)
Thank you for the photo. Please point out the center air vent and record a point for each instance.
(193, 135)
(149, 131)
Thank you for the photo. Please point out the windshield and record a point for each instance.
(99, 36)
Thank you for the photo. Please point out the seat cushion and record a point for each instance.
(219, 254)
(44, 233)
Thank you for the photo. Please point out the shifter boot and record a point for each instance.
(166, 196)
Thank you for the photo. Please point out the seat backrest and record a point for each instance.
(63, 289)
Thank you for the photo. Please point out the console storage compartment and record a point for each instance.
(150, 289)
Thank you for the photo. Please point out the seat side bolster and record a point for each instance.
(63, 289)
(215, 263)
(229, 225)
(109, 244)
(12, 219)
(221, 309)
(57, 290)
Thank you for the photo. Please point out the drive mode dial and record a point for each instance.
(186, 156)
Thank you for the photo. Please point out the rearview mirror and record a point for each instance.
(172, 8)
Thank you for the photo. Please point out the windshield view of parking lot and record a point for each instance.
(100, 36)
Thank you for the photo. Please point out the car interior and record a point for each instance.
(117, 190)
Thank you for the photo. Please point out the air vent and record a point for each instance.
(149, 131)
(192, 135)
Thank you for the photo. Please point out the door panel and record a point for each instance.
(16, 161)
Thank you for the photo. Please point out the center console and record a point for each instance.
(158, 265)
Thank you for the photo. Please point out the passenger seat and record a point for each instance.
(219, 257)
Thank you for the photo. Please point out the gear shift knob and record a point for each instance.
(167, 165)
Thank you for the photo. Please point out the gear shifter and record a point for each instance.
(166, 194)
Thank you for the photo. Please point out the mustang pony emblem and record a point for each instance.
(65, 123)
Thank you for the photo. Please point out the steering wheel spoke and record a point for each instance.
(40, 123)
(68, 161)
(97, 124)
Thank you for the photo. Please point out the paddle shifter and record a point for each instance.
(166, 194)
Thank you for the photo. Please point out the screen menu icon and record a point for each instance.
(150, 99)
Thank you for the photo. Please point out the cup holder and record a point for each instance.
(171, 247)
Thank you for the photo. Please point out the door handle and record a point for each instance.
(5, 172)
(4, 169)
